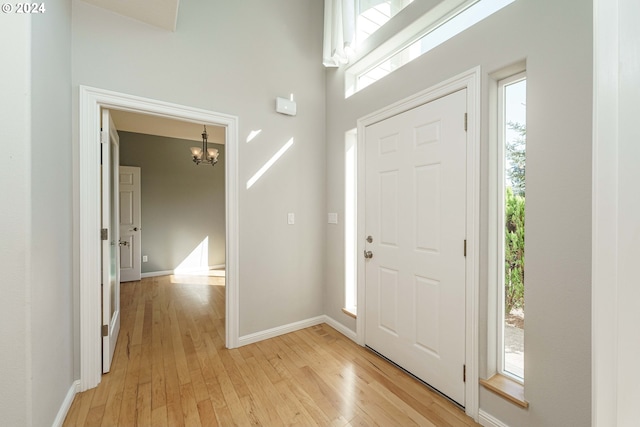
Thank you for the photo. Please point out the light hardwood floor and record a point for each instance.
(171, 369)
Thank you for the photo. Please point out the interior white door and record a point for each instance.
(415, 215)
(110, 243)
(130, 224)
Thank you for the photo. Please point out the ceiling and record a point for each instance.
(161, 126)
(159, 13)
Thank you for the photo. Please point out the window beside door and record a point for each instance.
(511, 192)
(350, 247)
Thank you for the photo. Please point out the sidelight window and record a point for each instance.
(512, 137)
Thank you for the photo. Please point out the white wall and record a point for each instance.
(51, 212)
(628, 375)
(555, 38)
(15, 119)
(236, 58)
(36, 332)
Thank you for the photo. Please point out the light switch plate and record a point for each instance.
(291, 218)
(332, 218)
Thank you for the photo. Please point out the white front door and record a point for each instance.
(416, 217)
(110, 243)
(130, 224)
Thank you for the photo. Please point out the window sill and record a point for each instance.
(507, 388)
(349, 313)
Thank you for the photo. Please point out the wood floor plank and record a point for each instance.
(189, 406)
(171, 368)
(143, 405)
(179, 357)
(130, 390)
(321, 409)
(146, 357)
(159, 416)
(84, 405)
(114, 400)
(415, 416)
(95, 416)
(207, 414)
(72, 416)
(158, 387)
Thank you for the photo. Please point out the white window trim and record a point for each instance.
(495, 309)
(400, 34)
(382, 45)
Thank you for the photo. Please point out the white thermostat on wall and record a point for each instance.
(286, 106)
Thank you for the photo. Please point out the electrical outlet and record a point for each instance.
(145, 258)
(332, 218)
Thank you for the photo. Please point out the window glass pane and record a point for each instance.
(373, 14)
(351, 291)
(515, 131)
(433, 38)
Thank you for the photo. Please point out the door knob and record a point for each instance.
(368, 254)
(136, 228)
(125, 243)
(369, 239)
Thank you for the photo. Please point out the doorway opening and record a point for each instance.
(92, 102)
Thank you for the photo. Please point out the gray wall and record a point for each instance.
(36, 336)
(51, 213)
(555, 38)
(182, 203)
(15, 244)
(236, 58)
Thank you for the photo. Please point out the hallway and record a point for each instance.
(171, 369)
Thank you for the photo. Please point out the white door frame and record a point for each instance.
(469, 80)
(614, 350)
(92, 100)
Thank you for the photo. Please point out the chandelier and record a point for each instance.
(204, 154)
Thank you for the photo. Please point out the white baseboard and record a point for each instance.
(66, 404)
(488, 420)
(156, 273)
(169, 272)
(341, 328)
(280, 330)
(296, 326)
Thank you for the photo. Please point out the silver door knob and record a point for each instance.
(368, 254)
(124, 243)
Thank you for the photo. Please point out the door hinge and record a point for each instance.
(464, 373)
(105, 330)
(465, 247)
(104, 234)
(103, 137)
(465, 122)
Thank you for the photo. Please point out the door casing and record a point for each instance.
(92, 100)
(469, 80)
